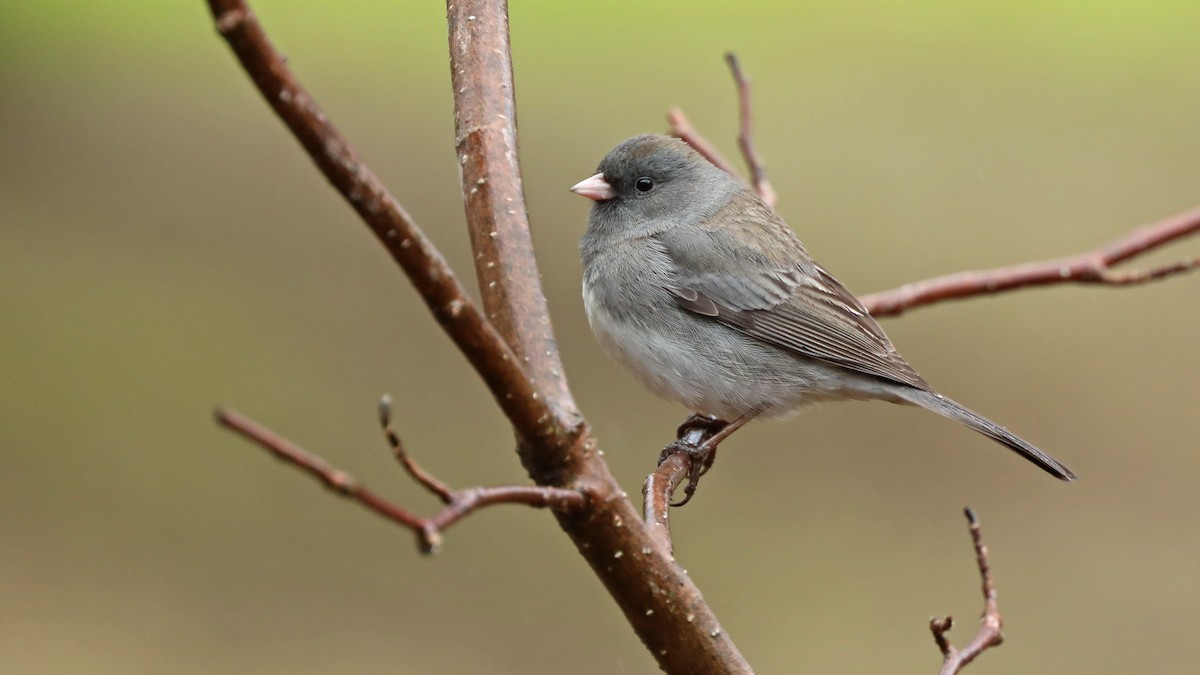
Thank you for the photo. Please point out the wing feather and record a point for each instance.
(752, 273)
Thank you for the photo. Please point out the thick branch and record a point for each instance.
(991, 623)
(493, 197)
(459, 503)
(478, 340)
(659, 600)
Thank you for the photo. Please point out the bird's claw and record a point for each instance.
(694, 436)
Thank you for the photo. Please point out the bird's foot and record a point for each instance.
(699, 427)
(696, 438)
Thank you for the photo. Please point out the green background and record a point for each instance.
(166, 247)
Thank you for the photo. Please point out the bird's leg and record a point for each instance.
(699, 437)
(699, 426)
(692, 434)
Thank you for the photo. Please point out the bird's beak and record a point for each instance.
(595, 188)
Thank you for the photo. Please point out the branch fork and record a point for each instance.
(428, 530)
(507, 338)
(991, 623)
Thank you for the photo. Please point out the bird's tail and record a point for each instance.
(948, 408)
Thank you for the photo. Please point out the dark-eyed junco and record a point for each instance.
(705, 294)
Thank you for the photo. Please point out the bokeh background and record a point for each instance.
(166, 247)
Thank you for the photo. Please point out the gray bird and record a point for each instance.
(703, 292)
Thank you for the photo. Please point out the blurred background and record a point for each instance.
(165, 247)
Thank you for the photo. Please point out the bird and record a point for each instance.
(701, 291)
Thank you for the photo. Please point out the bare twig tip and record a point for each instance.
(385, 410)
(429, 539)
(970, 514)
(939, 627)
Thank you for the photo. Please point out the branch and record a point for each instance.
(990, 624)
(656, 495)
(681, 127)
(758, 173)
(1089, 267)
(459, 503)
(657, 597)
(395, 229)
(485, 143)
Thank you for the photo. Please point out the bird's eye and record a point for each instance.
(644, 184)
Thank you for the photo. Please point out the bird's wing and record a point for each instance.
(745, 268)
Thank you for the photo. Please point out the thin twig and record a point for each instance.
(758, 173)
(459, 503)
(681, 127)
(1089, 267)
(337, 480)
(408, 245)
(991, 624)
(414, 470)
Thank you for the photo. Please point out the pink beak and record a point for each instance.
(595, 188)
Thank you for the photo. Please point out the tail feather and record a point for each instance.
(949, 409)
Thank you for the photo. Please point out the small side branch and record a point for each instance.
(758, 173)
(990, 624)
(656, 495)
(414, 470)
(458, 503)
(684, 458)
(681, 127)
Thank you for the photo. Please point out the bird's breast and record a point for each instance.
(696, 361)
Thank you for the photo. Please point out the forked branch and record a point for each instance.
(428, 530)
(512, 348)
(990, 624)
